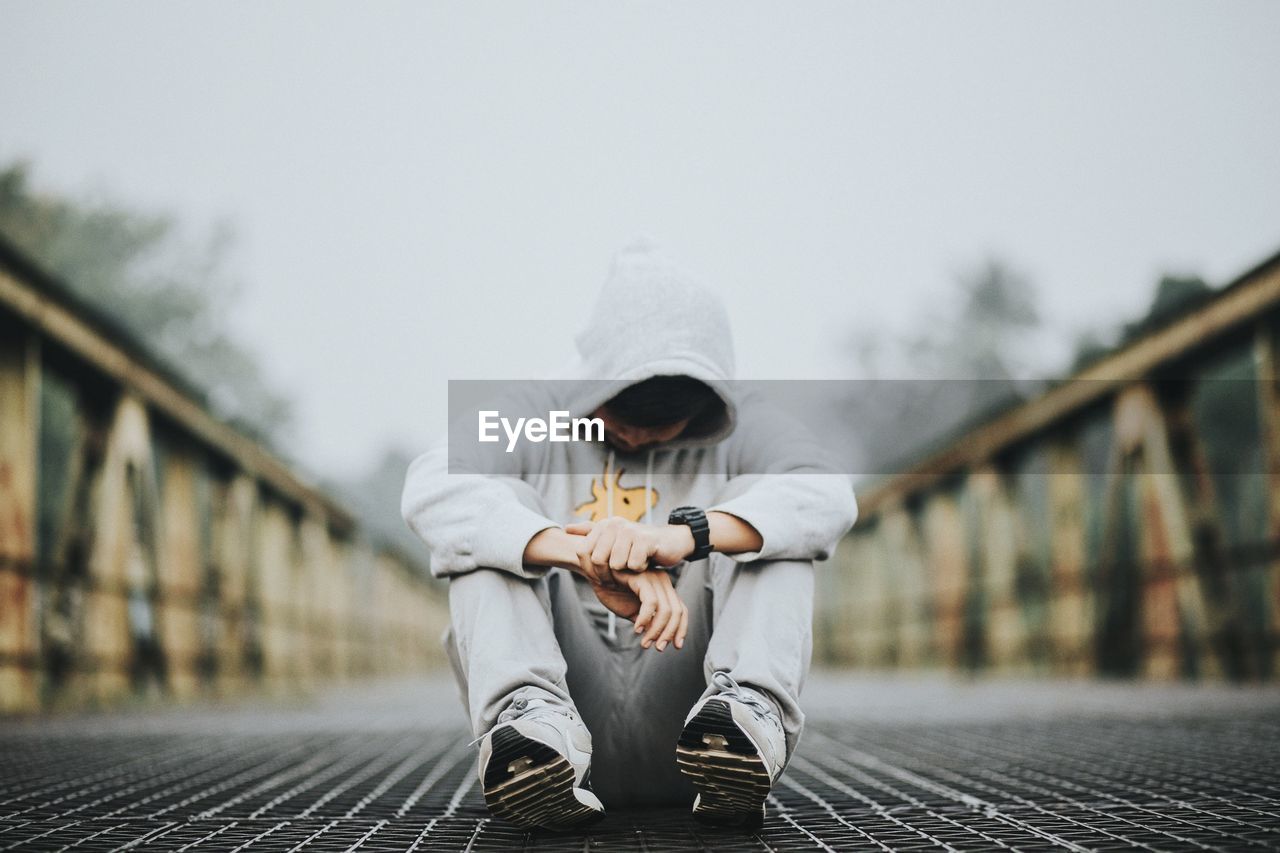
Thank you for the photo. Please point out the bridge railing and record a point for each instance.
(1125, 523)
(148, 550)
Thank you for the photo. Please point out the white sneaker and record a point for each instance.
(733, 749)
(535, 766)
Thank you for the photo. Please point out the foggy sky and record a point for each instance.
(433, 191)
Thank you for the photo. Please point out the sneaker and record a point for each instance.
(535, 766)
(733, 749)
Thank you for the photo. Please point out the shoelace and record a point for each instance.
(522, 707)
(753, 700)
(534, 706)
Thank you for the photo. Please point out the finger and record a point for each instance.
(648, 606)
(599, 554)
(585, 551)
(683, 631)
(584, 556)
(660, 619)
(622, 547)
(603, 546)
(638, 560)
(579, 528)
(668, 633)
(620, 579)
(673, 624)
(625, 605)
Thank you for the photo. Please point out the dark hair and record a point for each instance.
(664, 400)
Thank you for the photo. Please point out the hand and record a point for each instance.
(648, 599)
(615, 544)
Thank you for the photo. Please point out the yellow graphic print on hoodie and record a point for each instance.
(628, 503)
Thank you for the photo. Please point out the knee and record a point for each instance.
(799, 572)
(721, 564)
(787, 579)
(781, 565)
(481, 578)
(791, 579)
(486, 588)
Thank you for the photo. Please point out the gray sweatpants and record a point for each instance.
(551, 637)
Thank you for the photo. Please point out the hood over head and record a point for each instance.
(653, 318)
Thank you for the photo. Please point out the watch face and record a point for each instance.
(696, 520)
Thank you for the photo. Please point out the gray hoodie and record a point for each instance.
(651, 319)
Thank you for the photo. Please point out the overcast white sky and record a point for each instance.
(426, 191)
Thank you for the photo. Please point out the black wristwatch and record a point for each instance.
(696, 520)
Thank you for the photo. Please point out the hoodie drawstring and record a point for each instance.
(648, 506)
(608, 488)
(608, 483)
(648, 487)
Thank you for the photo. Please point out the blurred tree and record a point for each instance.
(1174, 295)
(1089, 348)
(997, 310)
(170, 294)
(963, 365)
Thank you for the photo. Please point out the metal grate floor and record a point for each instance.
(1074, 780)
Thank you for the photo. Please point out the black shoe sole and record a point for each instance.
(724, 766)
(531, 785)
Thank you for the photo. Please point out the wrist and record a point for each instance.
(566, 550)
(552, 546)
(681, 540)
(732, 535)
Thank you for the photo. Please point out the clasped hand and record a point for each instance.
(615, 556)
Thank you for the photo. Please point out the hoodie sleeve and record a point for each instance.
(786, 487)
(474, 510)
(470, 521)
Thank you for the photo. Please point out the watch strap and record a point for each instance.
(696, 520)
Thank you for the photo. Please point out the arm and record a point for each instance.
(729, 534)
(472, 520)
(787, 489)
(471, 502)
(672, 543)
(606, 548)
(555, 548)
